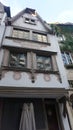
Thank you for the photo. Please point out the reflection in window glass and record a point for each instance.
(20, 34)
(27, 20)
(30, 21)
(17, 60)
(64, 58)
(39, 37)
(67, 58)
(44, 63)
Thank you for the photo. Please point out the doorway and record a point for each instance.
(52, 117)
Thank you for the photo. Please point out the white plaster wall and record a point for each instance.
(25, 80)
(8, 31)
(2, 30)
(69, 73)
(53, 47)
(20, 22)
(61, 65)
(1, 56)
(65, 120)
(51, 38)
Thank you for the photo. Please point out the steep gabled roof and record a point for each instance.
(33, 12)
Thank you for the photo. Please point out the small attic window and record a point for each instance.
(30, 21)
(33, 21)
(27, 20)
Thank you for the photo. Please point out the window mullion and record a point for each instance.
(44, 64)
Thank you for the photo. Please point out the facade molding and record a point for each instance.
(32, 92)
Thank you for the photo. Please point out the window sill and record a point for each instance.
(47, 71)
(15, 69)
(70, 66)
(22, 39)
(29, 70)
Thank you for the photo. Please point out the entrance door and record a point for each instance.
(51, 117)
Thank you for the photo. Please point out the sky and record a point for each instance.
(50, 10)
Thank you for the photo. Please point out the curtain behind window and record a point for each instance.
(12, 111)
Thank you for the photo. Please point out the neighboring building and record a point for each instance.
(65, 38)
(32, 75)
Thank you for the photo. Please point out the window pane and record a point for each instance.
(68, 58)
(18, 60)
(32, 21)
(27, 20)
(44, 63)
(39, 37)
(20, 34)
(47, 62)
(70, 83)
(44, 38)
(13, 60)
(26, 35)
(15, 33)
(22, 60)
(35, 37)
(40, 64)
(64, 58)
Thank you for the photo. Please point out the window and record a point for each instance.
(70, 83)
(27, 20)
(67, 58)
(20, 34)
(17, 60)
(30, 21)
(44, 63)
(40, 37)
